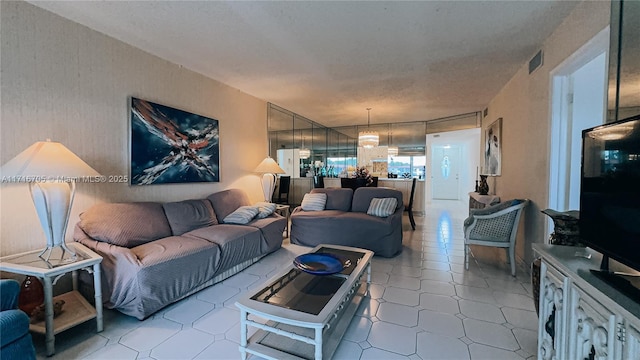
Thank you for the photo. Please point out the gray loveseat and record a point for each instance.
(344, 221)
(155, 254)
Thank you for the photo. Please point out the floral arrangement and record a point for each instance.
(362, 173)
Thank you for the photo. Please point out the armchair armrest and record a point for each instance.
(9, 291)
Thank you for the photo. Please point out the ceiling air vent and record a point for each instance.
(535, 62)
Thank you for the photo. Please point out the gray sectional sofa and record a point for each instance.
(155, 254)
(344, 221)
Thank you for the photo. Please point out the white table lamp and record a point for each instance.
(52, 171)
(269, 168)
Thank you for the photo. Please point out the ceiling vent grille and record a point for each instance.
(535, 62)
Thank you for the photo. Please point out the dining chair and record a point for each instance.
(283, 190)
(409, 207)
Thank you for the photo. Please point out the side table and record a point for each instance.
(76, 309)
(284, 210)
(477, 201)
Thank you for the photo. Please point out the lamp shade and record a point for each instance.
(46, 159)
(269, 166)
(51, 171)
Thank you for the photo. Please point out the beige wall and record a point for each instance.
(63, 81)
(524, 106)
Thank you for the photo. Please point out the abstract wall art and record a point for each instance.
(172, 146)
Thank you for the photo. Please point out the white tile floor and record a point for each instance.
(423, 305)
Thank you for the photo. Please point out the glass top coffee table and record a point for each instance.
(306, 315)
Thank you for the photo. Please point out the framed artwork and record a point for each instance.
(493, 149)
(172, 146)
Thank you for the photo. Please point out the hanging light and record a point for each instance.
(391, 150)
(368, 139)
(304, 153)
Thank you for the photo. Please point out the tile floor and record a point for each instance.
(423, 305)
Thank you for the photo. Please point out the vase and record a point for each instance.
(31, 294)
(483, 186)
(565, 232)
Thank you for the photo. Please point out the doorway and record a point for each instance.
(452, 165)
(578, 101)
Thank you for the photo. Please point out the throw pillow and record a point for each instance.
(188, 215)
(265, 209)
(314, 202)
(242, 215)
(382, 207)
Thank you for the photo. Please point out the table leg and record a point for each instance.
(97, 290)
(368, 278)
(74, 279)
(318, 354)
(243, 334)
(48, 316)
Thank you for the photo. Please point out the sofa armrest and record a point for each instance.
(117, 263)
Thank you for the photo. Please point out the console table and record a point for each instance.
(582, 316)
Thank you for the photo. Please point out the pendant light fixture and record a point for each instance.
(368, 139)
(304, 153)
(392, 150)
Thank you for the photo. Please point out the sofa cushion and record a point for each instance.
(166, 270)
(265, 209)
(362, 197)
(314, 202)
(237, 243)
(242, 215)
(337, 198)
(227, 201)
(125, 224)
(382, 235)
(187, 215)
(382, 207)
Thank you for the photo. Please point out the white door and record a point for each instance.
(445, 173)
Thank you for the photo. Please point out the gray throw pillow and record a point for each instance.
(382, 207)
(188, 215)
(242, 215)
(314, 202)
(265, 209)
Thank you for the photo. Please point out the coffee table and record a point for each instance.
(305, 315)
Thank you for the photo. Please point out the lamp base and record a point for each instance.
(46, 253)
(53, 204)
(268, 185)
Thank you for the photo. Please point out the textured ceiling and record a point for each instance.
(329, 61)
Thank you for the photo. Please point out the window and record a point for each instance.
(408, 166)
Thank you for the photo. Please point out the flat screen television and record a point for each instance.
(610, 197)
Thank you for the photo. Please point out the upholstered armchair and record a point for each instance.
(14, 325)
(495, 226)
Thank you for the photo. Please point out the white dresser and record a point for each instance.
(582, 316)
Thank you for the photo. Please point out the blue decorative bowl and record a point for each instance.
(319, 263)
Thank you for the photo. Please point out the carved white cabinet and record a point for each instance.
(553, 314)
(582, 316)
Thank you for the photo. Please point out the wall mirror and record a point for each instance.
(624, 67)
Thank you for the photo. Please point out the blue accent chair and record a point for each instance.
(15, 338)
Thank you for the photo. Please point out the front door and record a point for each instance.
(445, 165)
